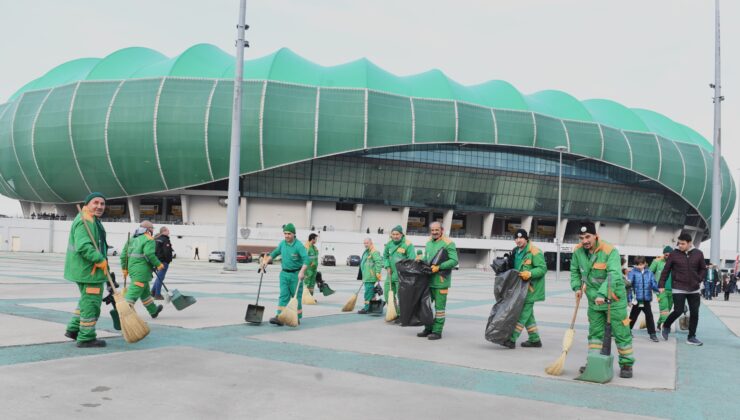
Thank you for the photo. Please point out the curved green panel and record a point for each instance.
(8, 163)
(288, 127)
(726, 192)
(71, 71)
(694, 170)
(614, 115)
(500, 94)
(430, 84)
(645, 153)
(671, 170)
(550, 132)
(219, 129)
(250, 128)
(558, 104)
(123, 63)
(131, 137)
(616, 149)
(435, 121)
(258, 68)
(585, 138)
(349, 75)
(475, 124)
(515, 127)
(341, 121)
(705, 206)
(389, 120)
(88, 136)
(662, 125)
(23, 138)
(698, 138)
(289, 67)
(155, 69)
(201, 60)
(53, 149)
(181, 131)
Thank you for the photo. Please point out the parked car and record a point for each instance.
(216, 256)
(353, 260)
(112, 251)
(243, 257)
(328, 260)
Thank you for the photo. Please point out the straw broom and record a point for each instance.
(307, 297)
(350, 305)
(556, 368)
(134, 328)
(390, 313)
(289, 315)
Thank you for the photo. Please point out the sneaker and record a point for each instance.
(424, 333)
(625, 372)
(694, 341)
(159, 309)
(434, 336)
(665, 332)
(397, 321)
(91, 343)
(654, 337)
(71, 334)
(362, 311)
(531, 344)
(509, 344)
(274, 320)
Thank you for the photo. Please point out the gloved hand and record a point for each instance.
(125, 273)
(103, 265)
(435, 268)
(160, 267)
(525, 275)
(378, 276)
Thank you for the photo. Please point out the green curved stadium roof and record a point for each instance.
(137, 122)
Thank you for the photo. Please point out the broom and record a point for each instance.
(556, 368)
(134, 328)
(350, 305)
(307, 297)
(123, 291)
(390, 313)
(289, 315)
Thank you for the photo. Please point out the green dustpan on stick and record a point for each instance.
(600, 366)
(179, 301)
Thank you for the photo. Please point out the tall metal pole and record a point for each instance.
(716, 179)
(737, 236)
(232, 205)
(560, 150)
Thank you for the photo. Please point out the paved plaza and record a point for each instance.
(205, 362)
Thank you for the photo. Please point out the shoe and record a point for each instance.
(434, 336)
(71, 334)
(531, 344)
(276, 321)
(654, 338)
(397, 321)
(158, 297)
(665, 332)
(582, 369)
(362, 311)
(424, 333)
(91, 343)
(625, 372)
(694, 341)
(159, 309)
(509, 344)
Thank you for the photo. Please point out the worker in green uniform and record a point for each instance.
(313, 262)
(139, 260)
(665, 299)
(371, 266)
(294, 264)
(398, 248)
(530, 262)
(593, 260)
(87, 267)
(441, 278)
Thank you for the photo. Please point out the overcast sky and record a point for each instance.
(656, 54)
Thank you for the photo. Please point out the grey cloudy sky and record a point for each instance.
(655, 54)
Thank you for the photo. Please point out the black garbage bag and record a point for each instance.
(510, 292)
(414, 298)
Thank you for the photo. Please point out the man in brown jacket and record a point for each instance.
(687, 267)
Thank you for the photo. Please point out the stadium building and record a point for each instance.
(348, 150)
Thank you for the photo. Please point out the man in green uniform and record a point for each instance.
(593, 260)
(371, 266)
(397, 249)
(530, 262)
(441, 278)
(87, 267)
(294, 264)
(313, 262)
(139, 260)
(665, 299)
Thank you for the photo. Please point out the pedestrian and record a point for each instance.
(640, 295)
(665, 299)
(686, 265)
(441, 278)
(138, 260)
(164, 254)
(294, 264)
(396, 249)
(371, 267)
(593, 262)
(313, 262)
(710, 281)
(530, 262)
(197, 255)
(730, 285)
(87, 267)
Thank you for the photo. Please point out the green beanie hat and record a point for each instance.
(289, 228)
(667, 250)
(398, 229)
(94, 195)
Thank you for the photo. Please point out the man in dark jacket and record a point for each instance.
(711, 281)
(686, 266)
(164, 255)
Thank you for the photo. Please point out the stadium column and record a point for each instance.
(357, 224)
(487, 225)
(405, 218)
(164, 208)
(309, 214)
(447, 221)
(651, 235)
(527, 223)
(623, 232)
(243, 211)
(563, 226)
(676, 234)
(133, 209)
(597, 225)
(185, 208)
(26, 208)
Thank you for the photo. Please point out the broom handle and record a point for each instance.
(92, 239)
(128, 238)
(295, 295)
(575, 313)
(258, 289)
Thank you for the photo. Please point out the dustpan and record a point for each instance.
(600, 366)
(376, 307)
(255, 312)
(179, 301)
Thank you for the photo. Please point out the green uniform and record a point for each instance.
(665, 299)
(78, 267)
(394, 252)
(371, 266)
(294, 257)
(531, 259)
(439, 282)
(312, 267)
(593, 268)
(138, 257)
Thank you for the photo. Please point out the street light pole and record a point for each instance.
(560, 150)
(716, 223)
